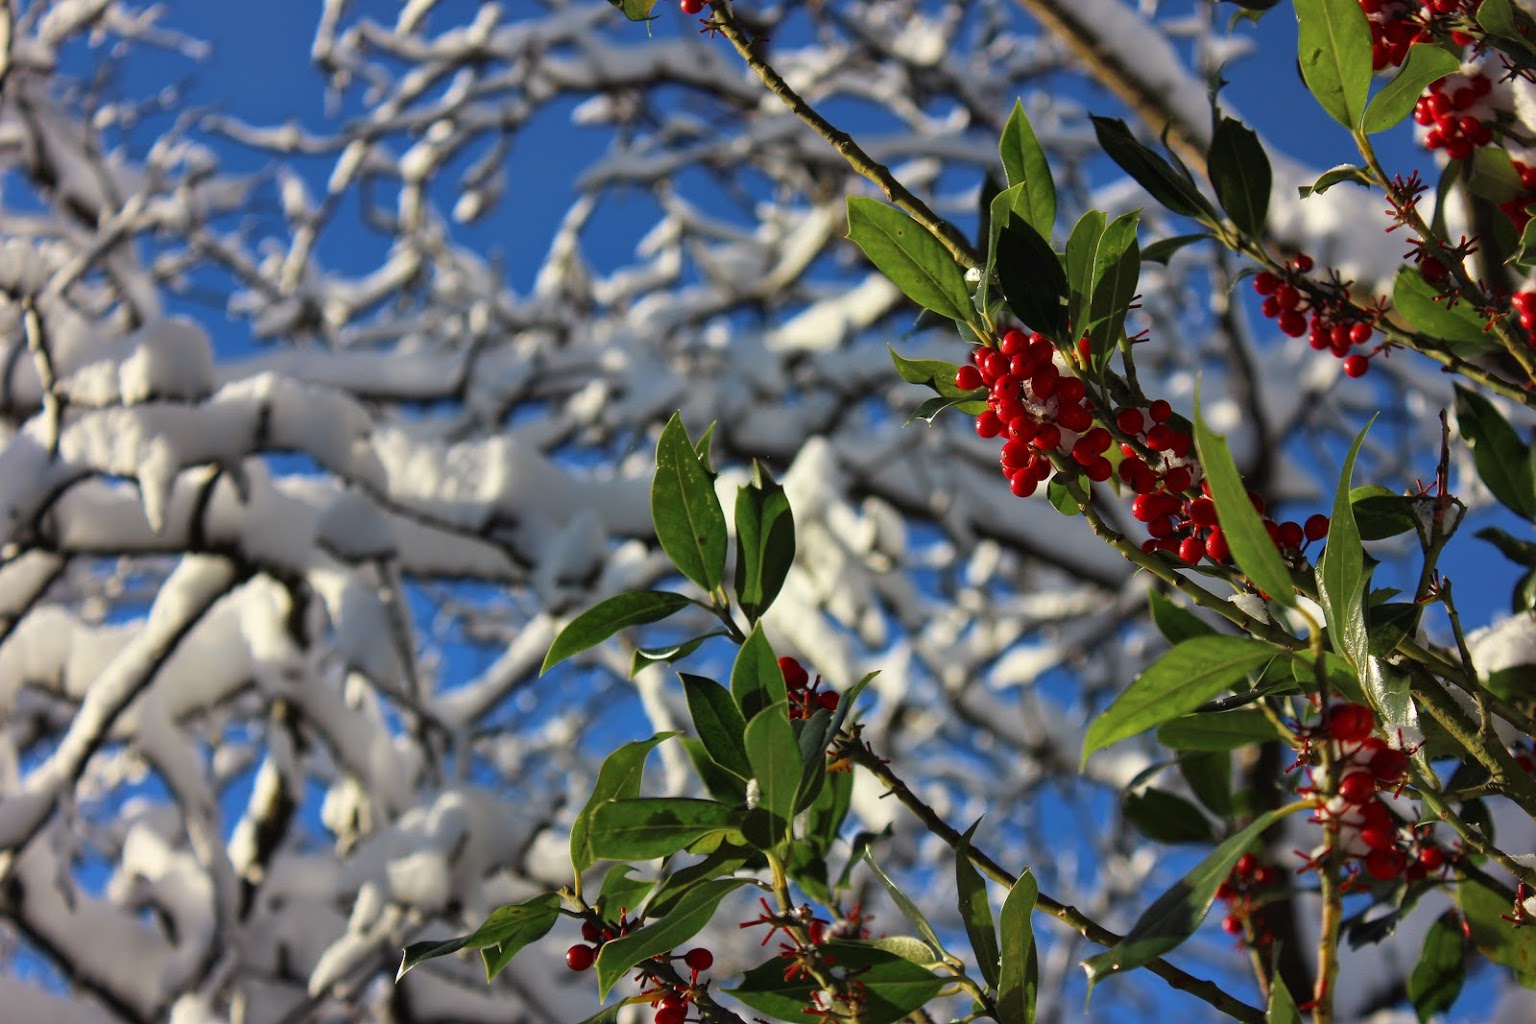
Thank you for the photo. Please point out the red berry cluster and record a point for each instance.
(671, 1001)
(1370, 836)
(1187, 527)
(1398, 24)
(582, 956)
(1524, 303)
(1245, 890)
(1325, 314)
(1038, 408)
(1459, 113)
(805, 697)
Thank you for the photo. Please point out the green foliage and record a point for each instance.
(1025, 164)
(606, 618)
(1425, 64)
(690, 525)
(914, 260)
(618, 778)
(1019, 972)
(1240, 174)
(1334, 50)
(1030, 274)
(499, 939)
(1437, 977)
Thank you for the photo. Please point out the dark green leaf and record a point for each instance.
(1166, 817)
(776, 764)
(1031, 277)
(1521, 552)
(812, 736)
(1334, 175)
(657, 826)
(929, 410)
(620, 892)
(1025, 164)
(1334, 48)
(1174, 916)
(606, 618)
(619, 777)
(1524, 254)
(1380, 514)
(1252, 548)
(1019, 974)
(1209, 775)
(765, 542)
(915, 261)
(1176, 684)
(1082, 245)
(827, 812)
(1116, 269)
(1503, 460)
(685, 920)
(976, 909)
(1152, 172)
(1416, 299)
(1175, 622)
(932, 373)
(647, 656)
(757, 682)
(689, 521)
(718, 722)
(724, 785)
(893, 986)
(1425, 63)
(506, 931)
(722, 863)
(1239, 172)
(1436, 979)
(908, 908)
(1162, 250)
(1220, 730)
(1514, 948)
(1389, 623)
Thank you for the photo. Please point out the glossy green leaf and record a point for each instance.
(1031, 277)
(1502, 459)
(1514, 948)
(1116, 270)
(607, 617)
(1162, 250)
(1174, 621)
(618, 778)
(903, 901)
(644, 657)
(824, 818)
(1437, 977)
(1419, 303)
(1252, 548)
(1425, 63)
(1166, 817)
(718, 723)
(915, 261)
(1334, 48)
(813, 737)
(1219, 730)
(929, 410)
(1174, 916)
(1165, 184)
(1176, 684)
(757, 682)
(1019, 974)
(1061, 499)
(932, 373)
(639, 829)
(722, 863)
(893, 985)
(1239, 171)
(690, 525)
(1025, 164)
(976, 909)
(1082, 245)
(508, 930)
(723, 785)
(685, 920)
(621, 892)
(1380, 514)
(765, 542)
(1333, 176)
(776, 763)
(1389, 623)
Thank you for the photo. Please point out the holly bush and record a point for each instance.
(1400, 747)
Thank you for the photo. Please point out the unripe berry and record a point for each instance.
(580, 957)
(701, 959)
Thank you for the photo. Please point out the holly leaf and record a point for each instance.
(1240, 174)
(915, 261)
(690, 525)
(1334, 49)
(607, 617)
(1025, 164)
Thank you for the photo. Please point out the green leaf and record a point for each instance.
(1209, 775)
(506, 931)
(606, 618)
(1219, 730)
(1061, 499)
(757, 682)
(1425, 63)
(1514, 948)
(689, 521)
(1332, 176)
(1437, 977)
(1521, 552)
(893, 985)
(825, 817)
(1415, 298)
(722, 863)
(1176, 684)
(1162, 250)
(776, 763)
(621, 892)
(976, 909)
(718, 722)
(929, 410)
(724, 785)
(639, 829)
(647, 656)
(1176, 623)
(1502, 459)
(1082, 245)
(1252, 548)
(908, 908)
(1152, 172)
(1019, 974)
(765, 542)
(1389, 623)
(1334, 48)
(1031, 277)
(1166, 817)
(1025, 164)
(608, 1014)
(618, 778)
(932, 373)
(1282, 1007)
(812, 737)
(677, 926)
(1380, 514)
(1116, 269)
(1240, 174)
(913, 259)
(1174, 916)
(635, 10)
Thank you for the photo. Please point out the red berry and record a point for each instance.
(1349, 723)
(1014, 342)
(1359, 334)
(1247, 864)
(1216, 546)
(1191, 550)
(1292, 323)
(1431, 859)
(1159, 411)
(1302, 263)
(795, 675)
(1384, 865)
(828, 701)
(672, 1014)
(580, 958)
(1355, 366)
(1388, 764)
(1265, 283)
(967, 378)
(590, 931)
(1099, 470)
(1316, 526)
(1357, 788)
(1130, 421)
(1291, 535)
(1232, 924)
(1047, 437)
(692, 6)
(701, 959)
(1178, 478)
(988, 425)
